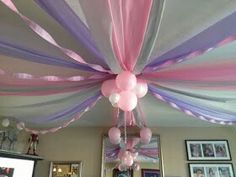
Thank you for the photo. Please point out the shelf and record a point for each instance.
(19, 155)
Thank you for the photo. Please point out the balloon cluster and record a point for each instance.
(19, 125)
(124, 91)
(114, 134)
(127, 159)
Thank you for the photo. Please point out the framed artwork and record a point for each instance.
(117, 173)
(150, 173)
(208, 150)
(8, 172)
(211, 170)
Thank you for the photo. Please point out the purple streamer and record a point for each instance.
(69, 112)
(70, 21)
(196, 110)
(205, 40)
(13, 50)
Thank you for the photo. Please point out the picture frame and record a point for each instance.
(118, 173)
(150, 173)
(6, 171)
(208, 150)
(211, 170)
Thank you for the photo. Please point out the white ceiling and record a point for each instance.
(182, 19)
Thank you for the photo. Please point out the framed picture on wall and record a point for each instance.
(208, 150)
(118, 173)
(150, 173)
(211, 170)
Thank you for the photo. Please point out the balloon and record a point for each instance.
(114, 135)
(115, 141)
(20, 125)
(109, 87)
(127, 159)
(126, 80)
(114, 98)
(141, 89)
(145, 135)
(128, 101)
(5, 122)
(122, 167)
(114, 132)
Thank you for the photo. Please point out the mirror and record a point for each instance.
(65, 169)
(149, 157)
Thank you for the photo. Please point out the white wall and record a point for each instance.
(85, 144)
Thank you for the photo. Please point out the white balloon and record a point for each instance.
(5, 122)
(141, 89)
(20, 125)
(114, 98)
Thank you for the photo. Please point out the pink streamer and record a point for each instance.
(132, 142)
(129, 119)
(115, 117)
(12, 82)
(129, 27)
(224, 71)
(51, 78)
(143, 118)
(46, 36)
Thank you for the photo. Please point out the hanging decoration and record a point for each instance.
(124, 90)
(117, 58)
(128, 154)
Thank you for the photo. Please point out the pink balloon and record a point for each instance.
(109, 87)
(127, 159)
(145, 135)
(115, 141)
(126, 80)
(114, 135)
(128, 101)
(141, 88)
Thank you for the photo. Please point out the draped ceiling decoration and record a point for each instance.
(108, 37)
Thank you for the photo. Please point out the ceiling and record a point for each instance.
(182, 19)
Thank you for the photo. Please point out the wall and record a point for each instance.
(85, 144)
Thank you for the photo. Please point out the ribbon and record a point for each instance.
(66, 124)
(128, 29)
(46, 36)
